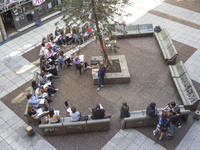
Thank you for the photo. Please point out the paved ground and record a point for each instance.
(150, 81)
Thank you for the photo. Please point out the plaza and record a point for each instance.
(150, 82)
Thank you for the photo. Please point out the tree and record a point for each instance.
(98, 14)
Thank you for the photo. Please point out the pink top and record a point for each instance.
(47, 54)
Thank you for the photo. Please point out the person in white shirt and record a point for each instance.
(75, 115)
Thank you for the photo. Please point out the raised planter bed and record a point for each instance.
(117, 77)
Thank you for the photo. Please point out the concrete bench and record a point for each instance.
(167, 47)
(187, 91)
(177, 70)
(146, 30)
(140, 119)
(66, 126)
(132, 31)
(161, 35)
(129, 31)
(32, 91)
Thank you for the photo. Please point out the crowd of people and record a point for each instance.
(50, 57)
(169, 119)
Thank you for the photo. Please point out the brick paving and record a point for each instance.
(150, 81)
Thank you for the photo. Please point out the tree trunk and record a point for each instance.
(3, 30)
(98, 31)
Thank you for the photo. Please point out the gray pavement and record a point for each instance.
(15, 70)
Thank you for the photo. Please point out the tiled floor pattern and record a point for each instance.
(16, 70)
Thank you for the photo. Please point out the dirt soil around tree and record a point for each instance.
(150, 82)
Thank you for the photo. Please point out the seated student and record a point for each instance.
(49, 69)
(62, 60)
(89, 31)
(59, 36)
(31, 112)
(77, 61)
(98, 112)
(75, 115)
(40, 92)
(68, 36)
(124, 111)
(34, 85)
(43, 78)
(35, 102)
(49, 53)
(53, 117)
(41, 53)
(170, 108)
(151, 110)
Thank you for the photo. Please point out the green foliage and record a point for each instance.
(98, 14)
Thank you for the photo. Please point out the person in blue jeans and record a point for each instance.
(101, 75)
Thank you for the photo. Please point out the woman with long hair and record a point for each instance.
(162, 125)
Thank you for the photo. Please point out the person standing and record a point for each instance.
(161, 126)
(174, 121)
(101, 75)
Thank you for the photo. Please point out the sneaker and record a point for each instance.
(57, 77)
(154, 132)
(56, 89)
(90, 109)
(102, 85)
(160, 138)
(64, 45)
(89, 67)
(49, 101)
(97, 89)
(169, 135)
(52, 95)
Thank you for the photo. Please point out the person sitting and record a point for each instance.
(80, 65)
(89, 31)
(98, 112)
(40, 92)
(35, 102)
(68, 35)
(162, 125)
(75, 115)
(49, 53)
(151, 110)
(49, 69)
(59, 36)
(53, 117)
(62, 59)
(124, 111)
(31, 112)
(43, 80)
(34, 85)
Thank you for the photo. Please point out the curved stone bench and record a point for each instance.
(140, 119)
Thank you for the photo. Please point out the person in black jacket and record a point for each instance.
(151, 110)
(124, 111)
(58, 34)
(174, 121)
(101, 75)
(98, 113)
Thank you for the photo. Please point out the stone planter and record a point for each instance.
(120, 77)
